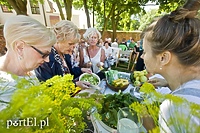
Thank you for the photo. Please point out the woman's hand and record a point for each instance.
(86, 70)
(158, 82)
(88, 65)
(83, 84)
(100, 64)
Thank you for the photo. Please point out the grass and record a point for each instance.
(125, 69)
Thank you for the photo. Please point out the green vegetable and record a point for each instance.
(111, 106)
(90, 78)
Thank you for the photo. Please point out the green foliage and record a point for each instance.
(5, 3)
(147, 18)
(150, 107)
(52, 100)
(170, 5)
(111, 106)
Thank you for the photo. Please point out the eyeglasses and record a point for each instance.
(44, 55)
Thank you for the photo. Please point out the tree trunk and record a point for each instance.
(87, 13)
(60, 10)
(106, 20)
(93, 15)
(19, 6)
(115, 21)
(65, 4)
(69, 9)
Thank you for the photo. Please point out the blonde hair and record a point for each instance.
(91, 31)
(29, 30)
(66, 30)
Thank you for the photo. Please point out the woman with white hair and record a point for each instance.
(28, 44)
(60, 63)
(93, 56)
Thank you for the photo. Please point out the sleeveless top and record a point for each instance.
(96, 59)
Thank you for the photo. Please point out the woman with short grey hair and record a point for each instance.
(93, 56)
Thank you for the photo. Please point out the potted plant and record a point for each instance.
(105, 120)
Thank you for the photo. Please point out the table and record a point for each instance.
(99, 126)
(107, 90)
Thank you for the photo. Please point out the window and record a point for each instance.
(6, 9)
(34, 7)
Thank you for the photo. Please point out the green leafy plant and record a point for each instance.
(112, 104)
(53, 101)
(150, 107)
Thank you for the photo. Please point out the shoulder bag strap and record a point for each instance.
(89, 58)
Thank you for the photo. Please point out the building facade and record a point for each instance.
(46, 13)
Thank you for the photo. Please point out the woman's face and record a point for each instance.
(67, 47)
(106, 45)
(34, 56)
(93, 39)
(150, 60)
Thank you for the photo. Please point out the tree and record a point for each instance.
(67, 4)
(60, 9)
(148, 18)
(18, 5)
(118, 13)
(68, 8)
(87, 5)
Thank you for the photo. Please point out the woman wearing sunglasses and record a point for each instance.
(60, 59)
(28, 44)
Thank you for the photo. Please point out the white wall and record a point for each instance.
(5, 16)
(78, 16)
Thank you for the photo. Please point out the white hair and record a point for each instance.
(29, 30)
(91, 31)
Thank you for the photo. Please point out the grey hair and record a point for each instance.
(89, 32)
(29, 30)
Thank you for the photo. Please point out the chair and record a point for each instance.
(125, 57)
(115, 52)
(135, 61)
(123, 47)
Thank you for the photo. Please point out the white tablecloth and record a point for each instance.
(107, 90)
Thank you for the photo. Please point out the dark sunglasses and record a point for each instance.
(44, 55)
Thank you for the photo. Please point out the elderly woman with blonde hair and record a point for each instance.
(67, 35)
(28, 44)
(93, 56)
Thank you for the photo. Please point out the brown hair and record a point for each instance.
(179, 33)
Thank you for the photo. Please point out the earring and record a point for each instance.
(160, 68)
(19, 57)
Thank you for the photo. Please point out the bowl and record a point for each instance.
(91, 78)
(114, 88)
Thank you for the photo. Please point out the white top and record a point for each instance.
(8, 84)
(114, 44)
(96, 59)
(108, 51)
(191, 92)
